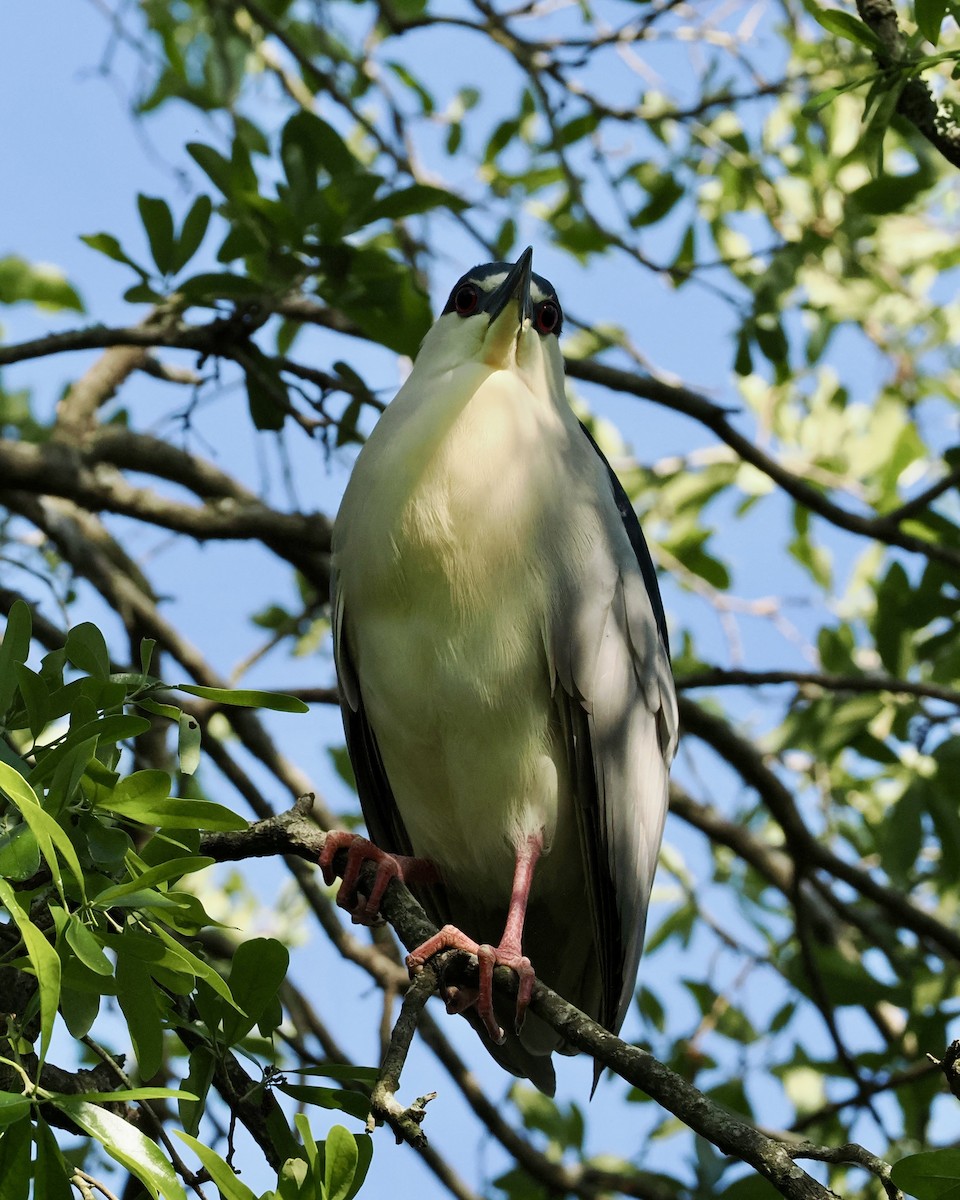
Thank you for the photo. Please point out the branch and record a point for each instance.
(218, 338)
(854, 1154)
(405, 1122)
(291, 833)
(559, 1178)
(916, 103)
(76, 412)
(692, 404)
(747, 760)
(723, 677)
(58, 469)
(226, 337)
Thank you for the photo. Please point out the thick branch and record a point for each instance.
(59, 469)
(915, 103)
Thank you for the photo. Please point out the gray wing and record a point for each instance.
(614, 693)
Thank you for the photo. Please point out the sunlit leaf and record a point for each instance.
(127, 1145)
(44, 962)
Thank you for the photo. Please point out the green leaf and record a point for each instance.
(577, 128)
(319, 146)
(364, 1145)
(664, 193)
(751, 1187)
(87, 650)
(14, 649)
(295, 1181)
(210, 286)
(150, 788)
(78, 1007)
(142, 293)
(275, 701)
(928, 1176)
(189, 741)
(203, 1065)
(125, 1143)
(43, 959)
(192, 234)
(36, 698)
(169, 711)
(86, 947)
(106, 243)
(144, 797)
(172, 868)
(158, 222)
(15, 1173)
(427, 103)
(354, 1103)
(19, 853)
(340, 1159)
(129, 1095)
(175, 812)
(872, 142)
(36, 283)
(137, 998)
(266, 401)
(147, 647)
(212, 162)
(409, 10)
(890, 193)
(743, 363)
(145, 898)
(845, 25)
(306, 1136)
(222, 1174)
(828, 95)
(52, 1172)
(195, 965)
(929, 16)
(340, 1071)
(259, 967)
(418, 198)
(13, 1107)
(48, 832)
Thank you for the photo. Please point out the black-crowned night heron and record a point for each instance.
(504, 669)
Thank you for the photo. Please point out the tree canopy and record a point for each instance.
(750, 213)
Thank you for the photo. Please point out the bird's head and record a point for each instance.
(503, 316)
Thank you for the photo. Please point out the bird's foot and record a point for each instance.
(364, 910)
(507, 954)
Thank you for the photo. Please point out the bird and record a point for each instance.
(504, 671)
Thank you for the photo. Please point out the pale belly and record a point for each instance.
(461, 708)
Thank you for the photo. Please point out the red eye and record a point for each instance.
(548, 317)
(466, 299)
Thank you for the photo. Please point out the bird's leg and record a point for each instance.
(389, 866)
(508, 954)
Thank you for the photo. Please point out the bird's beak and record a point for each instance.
(505, 322)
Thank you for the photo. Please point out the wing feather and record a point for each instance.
(380, 810)
(615, 697)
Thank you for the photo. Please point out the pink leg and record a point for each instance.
(389, 866)
(508, 954)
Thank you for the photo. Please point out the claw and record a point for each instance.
(488, 957)
(366, 910)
